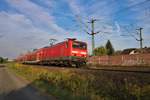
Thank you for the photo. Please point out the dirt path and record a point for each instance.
(13, 88)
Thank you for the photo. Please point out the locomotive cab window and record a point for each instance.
(79, 45)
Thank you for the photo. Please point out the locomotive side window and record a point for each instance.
(66, 44)
(79, 45)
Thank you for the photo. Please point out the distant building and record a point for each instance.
(131, 51)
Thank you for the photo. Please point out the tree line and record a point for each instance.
(108, 49)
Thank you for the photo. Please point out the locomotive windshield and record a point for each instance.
(79, 45)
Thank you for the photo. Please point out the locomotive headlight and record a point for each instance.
(74, 51)
(84, 53)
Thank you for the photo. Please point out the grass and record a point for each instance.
(68, 84)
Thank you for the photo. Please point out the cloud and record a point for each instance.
(37, 14)
(111, 20)
(76, 9)
(30, 24)
(20, 35)
(99, 10)
(141, 8)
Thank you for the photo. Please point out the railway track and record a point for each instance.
(107, 69)
(122, 70)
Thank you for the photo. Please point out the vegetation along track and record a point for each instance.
(124, 69)
(90, 84)
(135, 69)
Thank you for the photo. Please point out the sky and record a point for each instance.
(29, 24)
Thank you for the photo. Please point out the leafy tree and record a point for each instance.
(1, 60)
(109, 47)
(100, 51)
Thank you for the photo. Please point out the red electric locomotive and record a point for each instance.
(70, 52)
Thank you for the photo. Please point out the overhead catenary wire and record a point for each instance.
(131, 6)
(139, 33)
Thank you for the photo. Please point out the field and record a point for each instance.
(82, 84)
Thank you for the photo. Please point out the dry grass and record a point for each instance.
(69, 84)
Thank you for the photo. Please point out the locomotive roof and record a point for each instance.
(54, 45)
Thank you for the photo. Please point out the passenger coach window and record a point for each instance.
(79, 45)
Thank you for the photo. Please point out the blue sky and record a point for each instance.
(29, 24)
